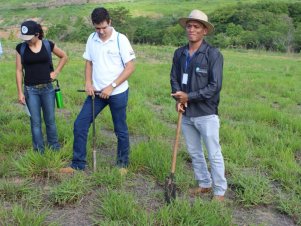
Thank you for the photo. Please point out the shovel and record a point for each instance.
(170, 186)
(93, 123)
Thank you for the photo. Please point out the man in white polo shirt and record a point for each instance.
(109, 63)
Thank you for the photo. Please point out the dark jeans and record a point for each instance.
(38, 98)
(117, 104)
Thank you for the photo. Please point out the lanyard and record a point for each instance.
(188, 60)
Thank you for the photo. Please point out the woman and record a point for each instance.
(34, 57)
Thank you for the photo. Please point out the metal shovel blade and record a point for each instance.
(170, 189)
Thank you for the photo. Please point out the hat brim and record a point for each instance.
(183, 21)
(26, 37)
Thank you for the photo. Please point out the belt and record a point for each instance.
(40, 86)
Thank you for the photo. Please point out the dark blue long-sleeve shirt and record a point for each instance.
(205, 72)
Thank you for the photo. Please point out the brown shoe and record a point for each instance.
(219, 198)
(67, 170)
(199, 190)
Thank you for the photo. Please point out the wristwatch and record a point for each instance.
(114, 85)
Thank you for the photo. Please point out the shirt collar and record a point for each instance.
(201, 49)
(112, 37)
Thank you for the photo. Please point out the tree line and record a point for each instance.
(267, 25)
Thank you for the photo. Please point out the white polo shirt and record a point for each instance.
(106, 59)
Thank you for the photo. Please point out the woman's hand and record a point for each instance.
(53, 75)
(21, 99)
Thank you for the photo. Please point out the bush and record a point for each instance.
(262, 25)
(274, 27)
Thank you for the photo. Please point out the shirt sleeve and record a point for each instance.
(126, 50)
(52, 44)
(87, 54)
(18, 47)
(174, 73)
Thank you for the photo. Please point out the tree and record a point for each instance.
(297, 38)
(174, 35)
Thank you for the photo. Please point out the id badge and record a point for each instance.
(184, 78)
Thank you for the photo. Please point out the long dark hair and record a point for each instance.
(41, 32)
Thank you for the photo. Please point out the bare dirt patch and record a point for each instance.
(77, 214)
(260, 216)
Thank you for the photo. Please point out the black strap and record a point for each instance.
(47, 46)
(119, 50)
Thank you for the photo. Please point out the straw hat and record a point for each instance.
(198, 16)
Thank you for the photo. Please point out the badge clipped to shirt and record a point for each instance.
(184, 78)
(201, 70)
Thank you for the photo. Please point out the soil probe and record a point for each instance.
(93, 123)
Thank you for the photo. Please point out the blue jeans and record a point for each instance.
(206, 128)
(117, 104)
(38, 98)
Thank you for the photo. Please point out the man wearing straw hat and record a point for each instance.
(196, 82)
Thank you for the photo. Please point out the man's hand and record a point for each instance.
(106, 92)
(181, 97)
(89, 89)
(180, 107)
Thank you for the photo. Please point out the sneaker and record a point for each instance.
(219, 198)
(123, 171)
(199, 190)
(67, 170)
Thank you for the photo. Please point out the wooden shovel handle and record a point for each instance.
(176, 144)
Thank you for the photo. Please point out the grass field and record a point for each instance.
(260, 136)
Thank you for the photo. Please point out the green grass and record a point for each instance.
(34, 164)
(120, 208)
(108, 178)
(22, 216)
(70, 190)
(260, 132)
(13, 192)
(251, 188)
(290, 205)
(182, 212)
(260, 136)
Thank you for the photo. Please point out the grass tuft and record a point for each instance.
(251, 189)
(108, 177)
(291, 206)
(34, 164)
(182, 212)
(121, 208)
(70, 190)
(22, 216)
(12, 191)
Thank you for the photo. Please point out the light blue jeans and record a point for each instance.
(37, 99)
(206, 129)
